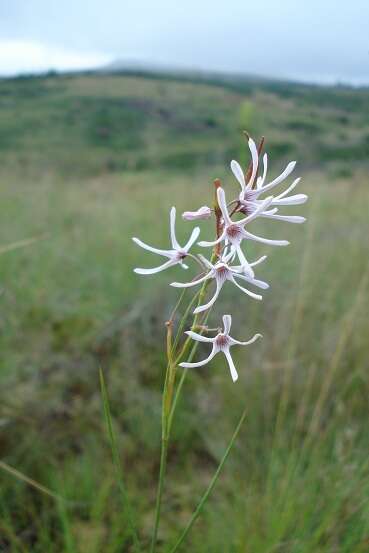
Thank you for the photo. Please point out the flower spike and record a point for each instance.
(176, 255)
(221, 342)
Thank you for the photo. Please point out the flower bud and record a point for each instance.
(203, 212)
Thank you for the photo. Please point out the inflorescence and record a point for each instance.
(228, 261)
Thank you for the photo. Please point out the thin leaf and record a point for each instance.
(117, 462)
(213, 481)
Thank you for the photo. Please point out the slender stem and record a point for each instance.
(207, 493)
(168, 411)
(163, 466)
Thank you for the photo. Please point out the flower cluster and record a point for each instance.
(229, 260)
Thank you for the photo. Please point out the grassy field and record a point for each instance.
(87, 161)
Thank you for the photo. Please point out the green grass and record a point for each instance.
(297, 480)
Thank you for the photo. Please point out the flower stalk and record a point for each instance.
(232, 236)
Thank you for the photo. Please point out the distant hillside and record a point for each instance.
(90, 123)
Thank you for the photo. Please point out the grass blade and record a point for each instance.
(117, 462)
(207, 493)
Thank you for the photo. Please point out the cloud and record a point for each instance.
(28, 56)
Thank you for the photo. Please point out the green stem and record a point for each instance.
(168, 411)
(207, 493)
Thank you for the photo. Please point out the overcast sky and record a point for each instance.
(311, 40)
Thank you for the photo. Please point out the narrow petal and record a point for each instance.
(206, 262)
(265, 240)
(223, 206)
(297, 199)
(253, 339)
(246, 291)
(255, 162)
(238, 173)
(227, 322)
(244, 263)
(173, 238)
(205, 244)
(289, 189)
(254, 281)
(166, 253)
(206, 306)
(232, 368)
(189, 284)
(290, 167)
(261, 180)
(198, 337)
(194, 236)
(258, 261)
(201, 363)
(286, 218)
(155, 270)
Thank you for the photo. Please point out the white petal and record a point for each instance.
(265, 240)
(223, 206)
(194, 236)
(206, 306)
(189, 284)
(286, 218)
(254, 281)
(297, 199)
(288, 190)
(155, 270)
(232, 368)
(206, 262)
(167, 253)
(238, 173)
(246, 291)
(227, 322)
(173, 238)
(255, 162)
(205, 244)
(261, 180)
(201, 363)
(260, 260)
(253, 339)
(290, 167)
(198, 337)
(246, 268)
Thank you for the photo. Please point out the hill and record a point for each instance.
(83, 124)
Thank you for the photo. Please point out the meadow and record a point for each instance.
(88, 161)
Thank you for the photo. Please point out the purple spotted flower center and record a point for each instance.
(234, 232)
(222, 341)
(222, 273)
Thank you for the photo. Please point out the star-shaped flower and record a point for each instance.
(234, 231)
(249, 195)
(221, 272)
(221, 342)
(176, 255)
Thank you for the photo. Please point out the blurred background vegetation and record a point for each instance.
(87, 161)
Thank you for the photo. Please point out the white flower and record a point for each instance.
(234, 231)
(221, 342)
(221, 272)
(175, 255)
(203, 212)
(249, 196)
